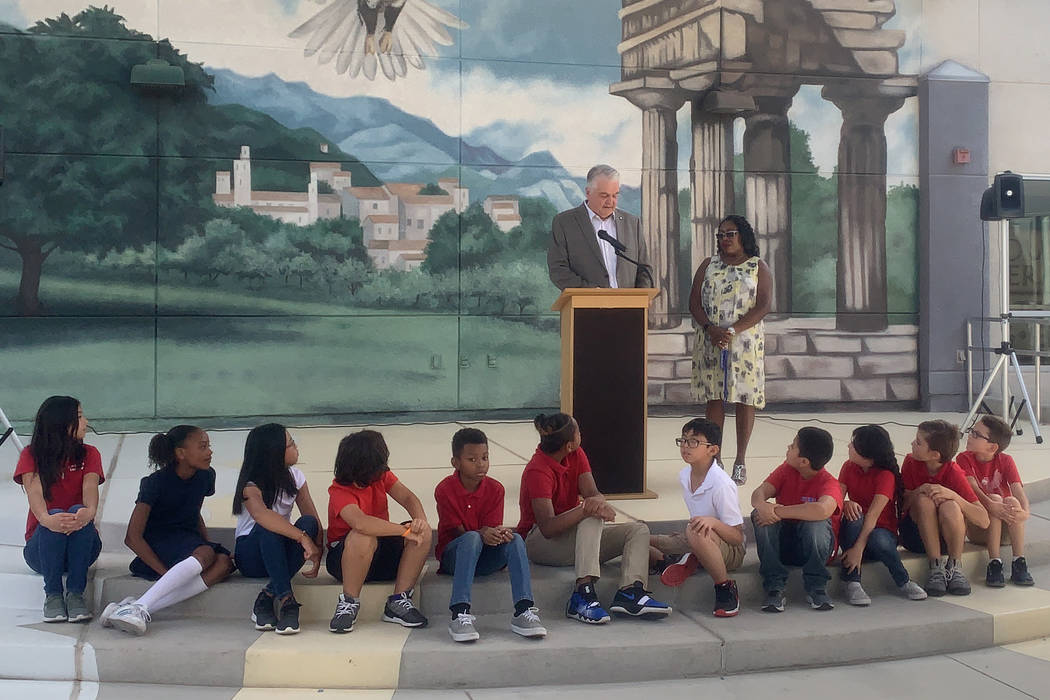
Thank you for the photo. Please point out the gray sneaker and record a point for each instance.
(55, 608)
(819, 600)
(936, 583)
(739, 474)
(774, 602)
(76, 608)
(346, 609)
(528, 624)
(957, 583)
(461, 628)
(912, 591)
(855, 594)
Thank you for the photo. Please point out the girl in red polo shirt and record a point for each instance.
(60, 475)
(563, 518)
(870, 480)
(363, 545)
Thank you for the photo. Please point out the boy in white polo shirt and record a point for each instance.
(714, 536)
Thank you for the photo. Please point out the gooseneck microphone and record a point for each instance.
(621, 249)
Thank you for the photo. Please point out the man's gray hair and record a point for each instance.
(605, 171)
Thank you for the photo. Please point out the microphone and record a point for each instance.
(617, 246)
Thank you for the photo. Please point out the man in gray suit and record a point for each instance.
(578, 257)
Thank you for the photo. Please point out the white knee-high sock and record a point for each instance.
(182, 581)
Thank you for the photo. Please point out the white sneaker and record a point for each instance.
(528, 624)
(855, 594)
(112, 608)
(461, 628)
(131, 618)
(913, 591)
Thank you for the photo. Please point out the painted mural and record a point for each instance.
(346, 208)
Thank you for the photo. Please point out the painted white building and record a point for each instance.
(503, 210)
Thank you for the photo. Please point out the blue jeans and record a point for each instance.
(263, 553)
(54, 553)
(467, 556)
(881, 546)
(805, 543)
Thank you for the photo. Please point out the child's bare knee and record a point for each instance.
(996, 498)
(949, 510)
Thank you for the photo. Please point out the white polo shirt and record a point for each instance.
(717, 497)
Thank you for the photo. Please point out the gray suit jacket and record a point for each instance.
(575, 260)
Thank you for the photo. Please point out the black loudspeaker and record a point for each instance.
(1004, 199)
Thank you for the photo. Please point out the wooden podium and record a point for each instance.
(604, 353)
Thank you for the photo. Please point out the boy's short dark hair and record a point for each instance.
(701, 426)
(941, 436)
(998, 431)
(816, 445)
(467, 436)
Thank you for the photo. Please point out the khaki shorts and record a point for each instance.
(979, 535)
(678, 545)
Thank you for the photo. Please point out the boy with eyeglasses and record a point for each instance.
(714, 536)
(993, 477)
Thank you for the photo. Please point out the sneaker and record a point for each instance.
(936, 583)
(287, 612)
(855, 594)
(1019, 573)
(636, 601)
(739, 474)
(77, 608)
(262, 611)
(819, 600)
(957, 583)
(346, 609)
(676, 574)
(131, 618)
(774, 602)
(993, 575)
(912, 591)
(528, 624)
(727, 600)
(107, 613)
(402, 611)
(661, 566)
(54, 608)
(584, 610)
(461, 628)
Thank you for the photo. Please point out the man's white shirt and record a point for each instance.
(608, 253)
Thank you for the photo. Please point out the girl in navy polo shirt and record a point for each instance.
(167, 532)
(60, 475)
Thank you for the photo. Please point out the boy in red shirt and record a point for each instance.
(472, 540)
(801, 527)
(937, 504)
(994, 479)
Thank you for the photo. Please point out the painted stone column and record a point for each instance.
(660, 198)
(767, 186)
(861, 276)
(711, 179)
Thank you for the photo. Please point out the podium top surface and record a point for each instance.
(603, 297)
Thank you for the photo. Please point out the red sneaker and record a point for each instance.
(677, 573)
(727, 600)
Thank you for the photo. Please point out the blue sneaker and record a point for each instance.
(635, 600)
(584, 610)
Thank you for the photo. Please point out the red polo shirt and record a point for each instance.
(914, 474)
(862, 488)
(545, 478)
(68, 491)
(470, 510)
(370, 499)
(793, 490)
(994, 476)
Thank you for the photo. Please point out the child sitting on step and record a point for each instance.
(60, 475)
(870, 481)
(166, 531)
(363, 544)
(937, 505)
(714, 536)
(268, 544)
(563, 521)
(472, 540)
(993, 477)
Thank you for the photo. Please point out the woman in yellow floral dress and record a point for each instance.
(731, 294)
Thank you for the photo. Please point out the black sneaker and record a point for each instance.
(1019, 573)
(774, 602)
(287, 611)
(727, 600)
(402, 611)
(346, 609)
(994, 574)
(635, 600)
(262, 612)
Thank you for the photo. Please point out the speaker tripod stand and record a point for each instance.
(1007, 359)
(9, 432)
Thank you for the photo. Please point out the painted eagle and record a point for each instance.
(407, 30)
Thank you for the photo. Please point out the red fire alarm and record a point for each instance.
(960, 156)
